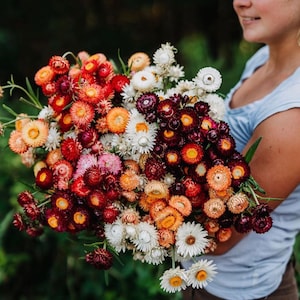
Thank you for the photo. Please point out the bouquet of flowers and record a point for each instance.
(138, 160)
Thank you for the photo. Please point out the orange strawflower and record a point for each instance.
(219, 177)
(169, 218)
(117, 119)
(129, 180)
(182, 204)
(166, 238)
(44, 75)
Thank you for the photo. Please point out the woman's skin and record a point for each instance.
(276, 163)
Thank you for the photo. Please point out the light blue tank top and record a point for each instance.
(254, 267)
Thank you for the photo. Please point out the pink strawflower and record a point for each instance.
(110, 163)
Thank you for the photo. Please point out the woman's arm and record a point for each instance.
(276, 162)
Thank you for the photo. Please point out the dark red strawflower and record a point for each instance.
(44, 179)
(88, 137)
(147, 103)
(97, 199)
(225, 145)
(32, 211)
(261, 224)
(34, 231)
(100, 259)
(18, 222)
(65, 121)
(243, 223)
(92, 177)
(192, 188)
(25, 197)
(154, 169)
(63, 85)
(81, 218)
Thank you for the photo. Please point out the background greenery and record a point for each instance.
(205, 32)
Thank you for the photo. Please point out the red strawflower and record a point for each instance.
(59, 64)
(71, 149)
(32, 211)
(79, 187)
(118, 82)
(97, 199)
(110, 214)
(59, 102)
(81, 218)
(18, 222)
(34, 231)
(92, 177)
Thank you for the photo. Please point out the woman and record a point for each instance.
(265, 103)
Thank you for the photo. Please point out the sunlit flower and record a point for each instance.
(191, 239)
(201, 273)
(173, 280)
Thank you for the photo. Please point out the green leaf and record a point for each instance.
(252, 150)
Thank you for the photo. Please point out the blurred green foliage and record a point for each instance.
(52, 266)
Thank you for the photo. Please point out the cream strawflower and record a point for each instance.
(208, 79)
(216, 105)
(173, 280)
(146, 238)
(143, 81)
(191, 239)
(200, 273)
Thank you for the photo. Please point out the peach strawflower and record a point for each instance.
(238, 203)
(35, 133)
(138, 61)
(156, 189)
(166, 238)
(21, 120)
(82, 113)
(129, 180)
(214, 208)
(16, 142)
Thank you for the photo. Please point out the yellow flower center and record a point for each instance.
(206, 124)
(60, 101)
(33, 133)
(186, 120)
(79, 218)
(238, 172)
(53, 222)
(192, 153)
(172, 157)
(225, 145)
(89, 66)
(175, 281)
(80, 112)
(43, 177)
(91, 92)
(62, 203)
(67, 119)
(201, 275)
(168, 133)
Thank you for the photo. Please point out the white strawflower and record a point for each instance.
(143, 81)
(128, 94)
(208, 79)
(216, 105)
(53, 139)
(173, 280)
(164, 56)
(191, 239)
(175, 72)
(200, 273)
(46, 113)
(115, 234)
(156, 256)
(146, 238)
